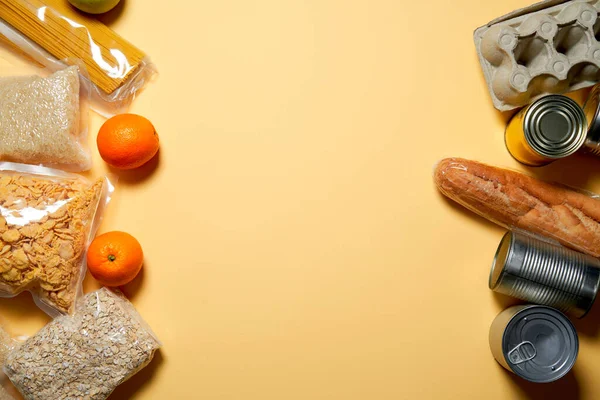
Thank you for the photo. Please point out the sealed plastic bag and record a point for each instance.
(44, 120)
(51, 32)
(86, 355)
(47, 219)
(4, 395)
(517, 201)
(7, 344)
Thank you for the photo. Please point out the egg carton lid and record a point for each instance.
(526, 10)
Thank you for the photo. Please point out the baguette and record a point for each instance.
(514, 200)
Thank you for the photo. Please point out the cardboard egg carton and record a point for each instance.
(549, 47)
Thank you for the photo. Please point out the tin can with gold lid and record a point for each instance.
(550, 128)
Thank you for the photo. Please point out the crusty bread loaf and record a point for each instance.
(515, 200)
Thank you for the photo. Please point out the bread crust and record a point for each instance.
(515, 200)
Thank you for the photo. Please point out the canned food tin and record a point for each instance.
(537, 343)
(592, 113)
(544, 273)
(550, 128)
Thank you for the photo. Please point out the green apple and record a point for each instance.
(94, 6)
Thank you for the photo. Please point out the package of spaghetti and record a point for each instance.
(52, 34)
(47, 219)
(43, 120)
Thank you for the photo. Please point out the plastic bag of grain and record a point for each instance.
(8, 343)
(85, 355)
(43, 120)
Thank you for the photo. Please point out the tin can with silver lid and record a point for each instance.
(543, 273)
(550, 128)
(537, 343)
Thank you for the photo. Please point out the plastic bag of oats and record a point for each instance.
(43, 120)
(85, 355)
(4, 395)
(8, 343)
(47, 219)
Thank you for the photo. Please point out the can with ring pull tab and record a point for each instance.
(537, 343)
(550, 128)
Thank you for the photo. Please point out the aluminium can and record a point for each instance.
(537, 343)
(591, 109)
(540, 272)
(550, 128)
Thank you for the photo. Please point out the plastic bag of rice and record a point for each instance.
(44, 120)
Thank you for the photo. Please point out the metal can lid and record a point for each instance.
(500, 260)
(555, 126)
(591, 109)
(540, 344)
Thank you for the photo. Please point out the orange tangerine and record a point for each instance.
(127, 141)
(115, 258)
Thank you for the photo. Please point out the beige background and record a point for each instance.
(296, 247)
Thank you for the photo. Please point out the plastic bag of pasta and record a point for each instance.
(85, 355)
(47, 219)
(49, 33)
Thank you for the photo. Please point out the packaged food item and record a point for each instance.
(52, 33)
(86, 355)
(4, 395)
(7, 344)
(47, 219)
(515, 200)
(544, 273)
(550, 128)
(547, 48)
(43, 122)
(537, 343)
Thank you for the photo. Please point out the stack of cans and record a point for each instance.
(538, 342)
